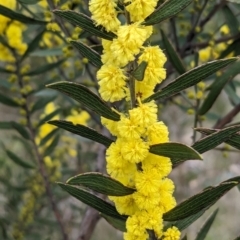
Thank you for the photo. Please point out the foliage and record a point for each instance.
(83, 86)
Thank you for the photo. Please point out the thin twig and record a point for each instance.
(39, 157)
(228, 118)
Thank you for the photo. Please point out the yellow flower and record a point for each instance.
(112, 83)
(105, 14)
(157, 133)
(78, 118)
(140, 9)
(112, 126)
(172, 234)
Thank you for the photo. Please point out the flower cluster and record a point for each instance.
(11, 31)
(128, 158)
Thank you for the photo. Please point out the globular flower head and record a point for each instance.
(172, 234)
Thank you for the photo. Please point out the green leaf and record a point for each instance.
(48, 137)
(5, 125)
(49, 117)
(83, 95)
(167, 10)
(28, 2)
(45, 68)
(101, 184)
(34, 44)
(173, 56)
(237, 238)
(20, 129)
(41, 103)
(119, 224)
(190, 78)
(231, 19)
(92, 201)
(184, 238)
(231, 48)
(47, 52)
(233, 141)
(4, 70)
(140, 71)
(83, 131)
(87, 52)
(18, 160)
(19, 17)
(184, 223)
(52, 146)
(217, 87)
(8, 101)
(200, 201)
(215, 139)
(206, 227)
(178, 152)
(84, 22)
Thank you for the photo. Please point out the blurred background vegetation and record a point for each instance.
(35, 51)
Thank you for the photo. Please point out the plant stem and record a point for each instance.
(38, 155)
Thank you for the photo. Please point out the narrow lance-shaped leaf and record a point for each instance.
(217, 87)
(101, 184)
(29, 2)
(18, 16)
(200, 201)
(41, 103)
(167, 10)
(233, 141)
(173, 56)
(206, 227)
(4, 70)
(83, 95)
(190, 78)
(231, 48)
(139, 72)
(87, 52)
(18, 160)
(20, 129)
(119, 224)
(231, 19)
(215, 139)
(8, 101)
(92, 201)
(34, 44)
(48, 137)
(49, 117)
(45, 68)
(184, 223)
(85, 23)
(52, 146)
(178, 152)
(83, 131)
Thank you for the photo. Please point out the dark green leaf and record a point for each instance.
(173, 56)
(206, 227)
(215, 139)
(49, 117)
(92, 201)
(101, 184)
(8, 101)
(45, 68)
(217, 87)
(184, 223)
(29, 2)
(140, 71)
(85, 23)
(200, 201)
(4, 70)
(83, 131)
(119, 224)
(34, 44)
(5, 125)
(233, 141)
(41, 103)
(83, 95)
(184, 238)
(231, 48)
(178, 152)
(52, 146)
(21, 129)
(48, 137)
(18, 16)
(167, 10)
(231, 19)
(18, 160)
(87, 52)
(238, 238)
(190, 78)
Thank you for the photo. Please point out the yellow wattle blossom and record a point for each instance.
(172, 234)
(104, 13)
(140, 9)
